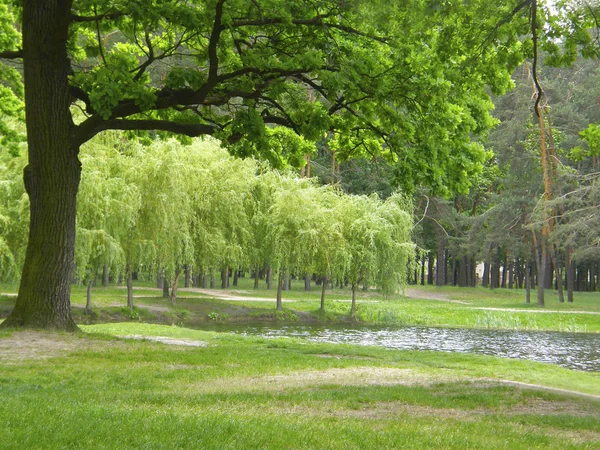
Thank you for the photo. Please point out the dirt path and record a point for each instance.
(439, 296)
(226, 294)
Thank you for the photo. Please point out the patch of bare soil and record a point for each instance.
(353, 376)
(24, 345)
(167, 340)
(226, 294)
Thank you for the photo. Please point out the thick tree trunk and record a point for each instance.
(165, 288)
(307, 282)
(236, 275)
(53, 173)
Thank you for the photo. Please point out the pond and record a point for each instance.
(579, 351)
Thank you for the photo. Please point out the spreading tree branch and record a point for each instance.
(11, 54)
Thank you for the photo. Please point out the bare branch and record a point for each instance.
(105, 16)
(315, 21)
(213, 59)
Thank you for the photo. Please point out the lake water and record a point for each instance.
(572, 350)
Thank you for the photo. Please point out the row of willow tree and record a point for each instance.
(169, 210)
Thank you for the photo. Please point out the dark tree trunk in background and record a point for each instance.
(542, 270)
(430, 261)
(224, 278)
(558, 277)
(495, 276)
(440, 279)
(527, 281)
(323, 289)
(268, 278)
(188, 276)
(353, 308)
(570, 274)
(129, 290)
(236, 275)
(454, 274)
(307, 282)
(53, 173)
(256, 277)
(165, 288)
(462, 272)
(485, 279)
(280, 289)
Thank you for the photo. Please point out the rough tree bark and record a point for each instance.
(53, 173)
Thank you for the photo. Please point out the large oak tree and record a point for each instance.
(406, 80)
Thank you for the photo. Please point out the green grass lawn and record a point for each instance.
(92, 390)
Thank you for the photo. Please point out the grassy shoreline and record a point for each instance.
(422, 306)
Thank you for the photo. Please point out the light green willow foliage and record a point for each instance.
(108, 208)
(162, 206)
(14, 216)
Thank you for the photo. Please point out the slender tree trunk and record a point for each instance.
(160, 279)
(188, 276)
(173, 296)
(430, 268)
(323, 289)
(236, 275)
(88, 300)
(256, 277)
(353, 309)
(558, 276)
(166, 288)
(527, 281)
(280, 289)
(268, 278)
(53, 173)
(129, 290)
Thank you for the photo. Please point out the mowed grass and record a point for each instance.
(93, 390)
(422, 306)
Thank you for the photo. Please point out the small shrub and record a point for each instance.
(217, 316)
